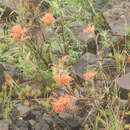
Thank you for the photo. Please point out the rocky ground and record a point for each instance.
(36, 118)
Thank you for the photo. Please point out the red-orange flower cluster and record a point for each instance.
(8, 80)
(63, 79)
(18, 33)
(48, 18)
(127, 60)
(89, 29)
(61, 104)
(89, 75)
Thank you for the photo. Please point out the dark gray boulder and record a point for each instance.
(2, 78)
(118, 18)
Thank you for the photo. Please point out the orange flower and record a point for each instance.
(62, 103)
(8, 80)
(89, 29)
(18, 33)
(48, 18)
(89, 75)
(15, 36)
(128, 60)
(8, 83)
(8, 77)
(18, 29)
(63, 79)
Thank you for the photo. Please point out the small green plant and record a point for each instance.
(110, 119)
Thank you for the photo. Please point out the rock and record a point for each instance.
(4, 124)
(35, 114)
(22, 109)
(117, 17)
(124, 84)
(127, 68)
(19, 125)
(123, 93)
(122, 103)
(91, 46)
(36, 120)
(14, 72)
(77, 29)
(59, 91)
(124, 81)
(32, 122)
(86, 39)
(87, 62)
(2, 78)
(11, 70)
(25, 118)
(116, 2)
(74, 122)
(102, 5)
(45, 123)
(53, 122)
(39, 34)
(42, 125)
